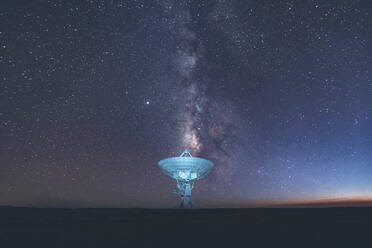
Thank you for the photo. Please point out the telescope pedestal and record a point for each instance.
(184, 190)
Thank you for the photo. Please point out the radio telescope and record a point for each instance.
(185, 169)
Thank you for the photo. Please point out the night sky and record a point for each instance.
(278, 94)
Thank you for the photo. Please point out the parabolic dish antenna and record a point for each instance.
(185, 169)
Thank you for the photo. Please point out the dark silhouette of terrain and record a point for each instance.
(280, 227)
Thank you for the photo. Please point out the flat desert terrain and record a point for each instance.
(279, 227)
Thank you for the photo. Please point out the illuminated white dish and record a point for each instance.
(186, 169)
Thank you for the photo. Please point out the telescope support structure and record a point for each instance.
(184, 190)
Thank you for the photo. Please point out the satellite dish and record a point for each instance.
(185, 169)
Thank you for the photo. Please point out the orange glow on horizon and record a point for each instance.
(322, 202)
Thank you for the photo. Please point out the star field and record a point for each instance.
(278, 94)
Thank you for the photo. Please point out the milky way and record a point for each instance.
(203, 122)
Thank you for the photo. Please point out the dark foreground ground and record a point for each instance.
(333, 227)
